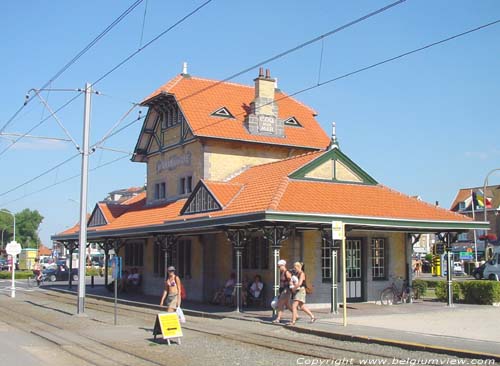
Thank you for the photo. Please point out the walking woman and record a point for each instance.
(299, 294)
(284, 290)
(172, 291)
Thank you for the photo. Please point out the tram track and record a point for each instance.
(319, 349)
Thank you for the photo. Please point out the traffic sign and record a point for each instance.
(13, 248)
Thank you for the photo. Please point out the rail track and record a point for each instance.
(270, 337)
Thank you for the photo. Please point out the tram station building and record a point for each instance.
(240, 176)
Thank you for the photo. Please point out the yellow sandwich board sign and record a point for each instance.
(168, 325)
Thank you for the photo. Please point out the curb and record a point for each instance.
(413, 346)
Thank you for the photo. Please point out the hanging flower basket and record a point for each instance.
(489, 237)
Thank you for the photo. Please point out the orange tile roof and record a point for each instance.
(359, 200)
(199, 98)
(267, 188)
(224, 192)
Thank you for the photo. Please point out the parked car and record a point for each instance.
(478, 272)
(4, 265)
(458, 269)
(59, 273)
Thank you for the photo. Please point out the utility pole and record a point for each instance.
(82, 239)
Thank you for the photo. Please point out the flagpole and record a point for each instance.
(473, 203)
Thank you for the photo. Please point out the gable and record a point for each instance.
(97, 218)
(201, 200)
(335, 166)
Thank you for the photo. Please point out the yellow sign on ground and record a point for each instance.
(168, 325)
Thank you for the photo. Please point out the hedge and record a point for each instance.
(471, 292)
(481, 292)
(419, 288)
(20, 275)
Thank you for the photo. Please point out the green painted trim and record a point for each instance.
(376, 222)
(334, 154)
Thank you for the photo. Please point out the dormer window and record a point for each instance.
(292, 121)
(201, 200)
(461, 206)
(222, 112)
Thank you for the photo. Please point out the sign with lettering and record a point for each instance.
(168, 325)
(337, 230)
(13, 248)
(173, 162)
(267, 124)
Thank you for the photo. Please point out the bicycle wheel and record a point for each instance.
(408, 295)
(387, 297)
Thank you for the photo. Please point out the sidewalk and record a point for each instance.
(462, 330)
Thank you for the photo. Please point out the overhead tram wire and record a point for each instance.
(39, 175)
(125, 60)
(64, 180)
(75, 58)
(184, 18)
(296, 48)
(318, 85)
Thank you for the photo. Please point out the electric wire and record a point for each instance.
(357, 71)
(76, 57)
(282, 54)
(63, 181)
(298, 47)
(39, 175)
(66, 132)
(184, 18)
(143, 23)
(126, 59)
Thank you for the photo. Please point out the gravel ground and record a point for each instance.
(133, 337)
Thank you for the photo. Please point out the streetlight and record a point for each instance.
(13, 255)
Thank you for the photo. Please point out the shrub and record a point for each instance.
(419, 288)
(20, 275)
(481, 292)
(442, 291)
(432, 283)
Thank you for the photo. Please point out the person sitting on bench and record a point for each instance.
(255, 290)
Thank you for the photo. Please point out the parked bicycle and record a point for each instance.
(393, 294)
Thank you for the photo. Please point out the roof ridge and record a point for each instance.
(289, 158)
(220, 82)
(278, 195)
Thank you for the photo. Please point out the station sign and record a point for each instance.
(337, 230)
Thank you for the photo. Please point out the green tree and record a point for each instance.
(6, 227)
(27, 223)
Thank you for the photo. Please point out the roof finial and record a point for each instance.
(184, 68)
(334, 142)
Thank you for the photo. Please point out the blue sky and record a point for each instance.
(424, 125)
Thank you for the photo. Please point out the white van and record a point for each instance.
(492, 268)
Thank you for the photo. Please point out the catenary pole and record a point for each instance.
(82, 238)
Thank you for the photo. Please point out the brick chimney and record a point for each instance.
(263, 119)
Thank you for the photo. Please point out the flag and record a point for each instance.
(479, 199)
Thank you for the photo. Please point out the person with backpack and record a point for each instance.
(173, 291)
(299, 294)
